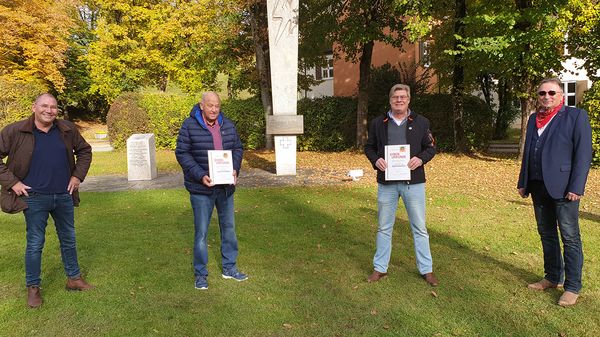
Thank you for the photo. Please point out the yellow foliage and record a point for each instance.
(34, 40)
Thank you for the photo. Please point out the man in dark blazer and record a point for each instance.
(556, 161)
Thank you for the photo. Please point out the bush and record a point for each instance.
(125, 117)
(249, 118)
(478, 120)
(163, 114)
(329, 123)
(16, 99)
(166, 113)
(591, 103)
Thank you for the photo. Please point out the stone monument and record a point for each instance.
(141, 157)
(284, 124)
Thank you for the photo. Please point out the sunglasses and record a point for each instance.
(543, 93)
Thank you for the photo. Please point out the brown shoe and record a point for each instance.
(376, 276)
(568, 299)
(34, 297)
(543, 284)
(77, 284)
(430, 278)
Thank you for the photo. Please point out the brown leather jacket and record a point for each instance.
(17, 142)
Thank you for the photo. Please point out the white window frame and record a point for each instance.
(327, 71)
(569, 94)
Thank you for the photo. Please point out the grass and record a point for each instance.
(308, 251)
(115, 162)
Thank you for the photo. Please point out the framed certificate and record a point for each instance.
(220, 167)
(397, 157)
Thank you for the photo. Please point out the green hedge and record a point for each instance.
(478, 120)
(166, 113)
(163, 114)
(591, 103)
(249, 118)
(329, 123)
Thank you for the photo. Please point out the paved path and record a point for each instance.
(250, 177)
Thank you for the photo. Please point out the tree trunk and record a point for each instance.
(163, 80)
(260, 34)
(364, 83)
(524, 80)
(458, 79)
(527, 106)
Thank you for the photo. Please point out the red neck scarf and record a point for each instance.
(544, 116)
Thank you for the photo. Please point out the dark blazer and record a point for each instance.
(194, 141)
(567, 153)
(418, 136)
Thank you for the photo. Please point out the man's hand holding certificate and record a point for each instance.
(220, 167)
(397, 158)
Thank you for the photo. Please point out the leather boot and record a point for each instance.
(77, 284)
(34, 297)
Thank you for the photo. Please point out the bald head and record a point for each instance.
(211, 106)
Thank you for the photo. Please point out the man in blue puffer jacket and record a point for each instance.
(207, 129)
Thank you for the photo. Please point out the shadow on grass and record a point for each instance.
(256, 161)
(582, 214)
(308, 252)
(348, 245)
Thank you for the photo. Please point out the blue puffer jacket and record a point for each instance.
(193, 142)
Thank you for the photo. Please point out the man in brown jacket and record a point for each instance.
(47, 160)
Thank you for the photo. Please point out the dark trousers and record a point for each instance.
(551, 216)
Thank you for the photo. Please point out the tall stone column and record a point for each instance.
(284, 124)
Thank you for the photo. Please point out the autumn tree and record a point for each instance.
(32, 52)
(353, 27)
(154, 42)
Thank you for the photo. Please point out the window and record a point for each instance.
(327, 71)
(424, 54)
(569, 90)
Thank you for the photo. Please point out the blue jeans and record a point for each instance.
(552, 215)
(203, 206)
(413, 196)
(60, 207)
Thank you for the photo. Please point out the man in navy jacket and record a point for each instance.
(556, 161)
(207, 129)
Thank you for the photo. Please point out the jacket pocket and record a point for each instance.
(11, 203)
(565, 168)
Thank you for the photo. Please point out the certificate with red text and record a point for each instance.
(220, 167)
(397, 157)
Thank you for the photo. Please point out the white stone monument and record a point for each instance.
(285, 124)
(141, 157)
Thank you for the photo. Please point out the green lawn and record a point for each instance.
(308, 252)
(115, 162)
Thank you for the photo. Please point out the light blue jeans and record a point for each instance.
(413, 196)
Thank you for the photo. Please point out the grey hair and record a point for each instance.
(206, 94)
(46, 94)
(554, 80)
(397, 87)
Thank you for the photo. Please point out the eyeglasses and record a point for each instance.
(543, 93)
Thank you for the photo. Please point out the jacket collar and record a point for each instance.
(196, 113)
(30, 123)
(556, 120)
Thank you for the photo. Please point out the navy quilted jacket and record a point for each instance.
(193, 142)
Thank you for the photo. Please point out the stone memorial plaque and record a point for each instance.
(141, 157)
(285, 124)
(285, 155)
